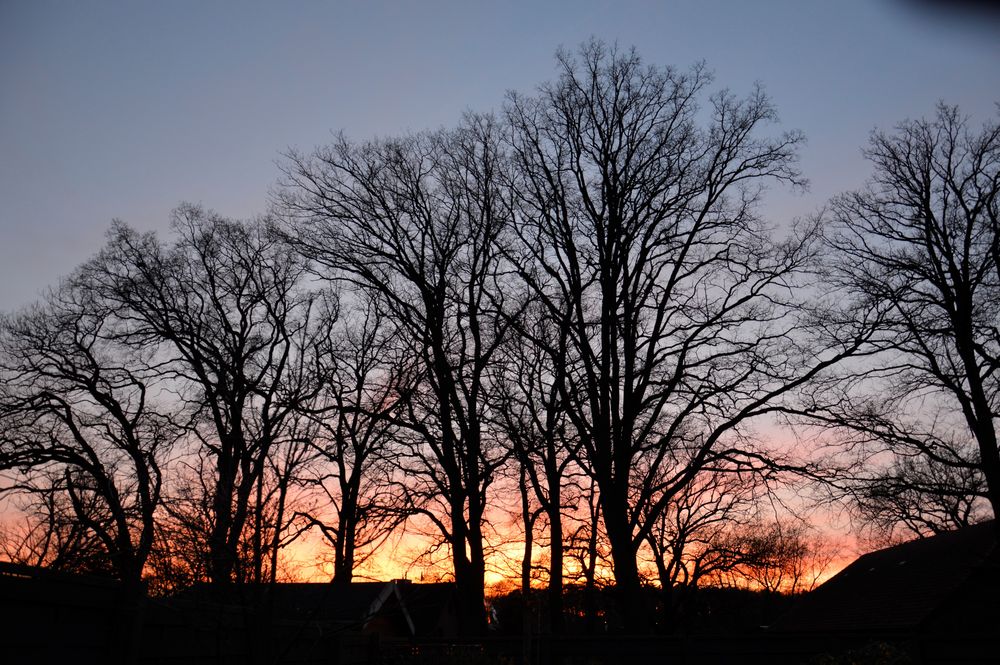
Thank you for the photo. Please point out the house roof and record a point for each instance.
(906, 587)
(347, 605)
(428, 604)
(353, 602)
(417, 609)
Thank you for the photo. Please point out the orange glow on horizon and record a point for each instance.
(308, 560)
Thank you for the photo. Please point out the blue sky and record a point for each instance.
(125, 109)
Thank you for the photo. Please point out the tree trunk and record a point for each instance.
(526, 604)
(628, 588)
(555, 559)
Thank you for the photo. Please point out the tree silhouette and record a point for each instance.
(915, 257)
(416, 223)
(531, 370)
(573, 310)
(80, 420)
(355, 442)
(638, 231)
(220, 312)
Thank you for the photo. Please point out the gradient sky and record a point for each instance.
(125, 109)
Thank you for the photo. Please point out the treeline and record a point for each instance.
(571, 311)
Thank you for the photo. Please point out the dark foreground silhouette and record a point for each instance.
(926, 601)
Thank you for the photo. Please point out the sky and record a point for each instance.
(123, 110)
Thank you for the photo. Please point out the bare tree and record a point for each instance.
(681, 315)
(354, 441)
(530, 376)
(43, 528)
(81, 426)
(416, 222)
(916, 260)
(691, 540)
(913, 496)
(587, 548)
(222, 314)
(779, 557)
(277, 520)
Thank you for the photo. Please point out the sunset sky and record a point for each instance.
(124, 109)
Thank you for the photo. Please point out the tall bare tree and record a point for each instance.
(416, 222)
(360, 501)
(529, 406)
(638, 209)
(82, 425)
(221, 312)
(916, 260)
